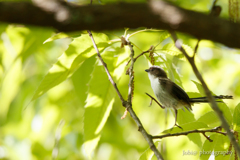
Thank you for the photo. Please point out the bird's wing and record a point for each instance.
(174, 90)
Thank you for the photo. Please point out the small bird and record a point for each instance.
(170, 95)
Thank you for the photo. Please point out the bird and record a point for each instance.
(171, 95)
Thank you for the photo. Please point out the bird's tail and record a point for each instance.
(204, 99)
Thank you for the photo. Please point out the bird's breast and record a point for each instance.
(162, 94)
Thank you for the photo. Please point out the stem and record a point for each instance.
(128, 103)
(209, 96)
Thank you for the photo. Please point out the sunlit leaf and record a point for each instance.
(81, 78)
(79, 50)
(222, 106)
(164, 35)
(199, 87)
(171, 49)
(236, 118)
(148, 153)
(101, 96)
(188, 49)
(185, 116)
(99, 104)
(210, 119)
(56, 36)
(219, 145)
(195, 138)
(9, 88)
(27, 41)
(226, 112)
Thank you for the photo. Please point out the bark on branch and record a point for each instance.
(156, 14)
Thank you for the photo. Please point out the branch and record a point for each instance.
(155, 100)
(131, 76)
(106, 69)
(210, 98)
(67, 17)
(216, 130)
(134, 59)
(128, 103)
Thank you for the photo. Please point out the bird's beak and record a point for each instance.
(147, 70)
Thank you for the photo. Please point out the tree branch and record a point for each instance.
(158, 14)
(210, 98)
(216, 130)
(155, 100)
(128, 103)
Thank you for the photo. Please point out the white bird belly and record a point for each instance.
(163, 96)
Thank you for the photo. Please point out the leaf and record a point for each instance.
(210, 119)
(99, 104)
(82, 77)
(195, 138)
(148, 153)
(56, 36)
(219, 145)
(193, 94)
(184, 116)
(171, 49)
(226, 112)
(164, 35)
(199, 87)
(222, 106)
(27, 41)
(9, 87)
(79, 50)
(236, 118)
(101, 96)
(188, 49)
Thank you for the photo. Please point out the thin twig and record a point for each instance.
(106, 69)
(196, 47)
(210, 98)
(131, 77)
(215, 130)
(128, 104)
(140, 55)
(155, 100)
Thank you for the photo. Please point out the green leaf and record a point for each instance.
(195, 138)
(101, 96)
(219, 145)
(222, 106)
(236, 118)
(171, 49)
(82, 77)
(99, 104)
(9, 88)
(226, 112)
(56, 36)
(164, 35)
(184, 116)
(79, 50)
(199, 87)
(210, 119)
(188, 49)
(27, 41)
(148, 153)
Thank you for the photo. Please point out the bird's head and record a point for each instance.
(156, 72)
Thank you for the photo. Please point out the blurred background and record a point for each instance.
(52, 125)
